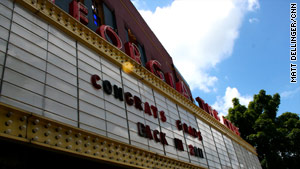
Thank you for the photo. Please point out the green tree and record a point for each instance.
(276, 139)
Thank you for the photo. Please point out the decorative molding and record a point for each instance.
(19, 125)
(62, 20)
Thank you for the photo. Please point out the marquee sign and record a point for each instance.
(137, 120)
(78, 11)
(155, 67)
(151, 110)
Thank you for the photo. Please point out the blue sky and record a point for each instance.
(240, 47)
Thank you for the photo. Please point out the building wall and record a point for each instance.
(46, 72)
(126, 16)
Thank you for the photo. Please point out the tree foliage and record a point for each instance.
(276, 139)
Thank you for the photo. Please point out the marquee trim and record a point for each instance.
(23, 126)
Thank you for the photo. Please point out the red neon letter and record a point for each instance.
(210, 111)
(170, 79)
(133, 51)
(200, 102)
(236, 130)
(78, 11)
(155, 67)
(206, 108)
(181, 88)
(215, 113)
(105, 30)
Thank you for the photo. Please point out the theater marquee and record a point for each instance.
(68, 88)
(151, 111)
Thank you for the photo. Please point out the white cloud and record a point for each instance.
(290, 93)
(224, 103)
(253, 5)
(253, 20)
(198, 34)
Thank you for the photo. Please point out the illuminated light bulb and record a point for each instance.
(69, 132)
(58, 136)
(78, 135)
(58, 144)
(87, 144)
(23, 127)
(35, 130)
(9, 122)
(127, 67)
(58, 129)
(36, 121)
(8, 131)
(78, 142)
(23, 118)
(69, 139)
(87, 137)
(96, 146)
(35, 138)
(9, 114)
(47, 141)
(48, 125)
